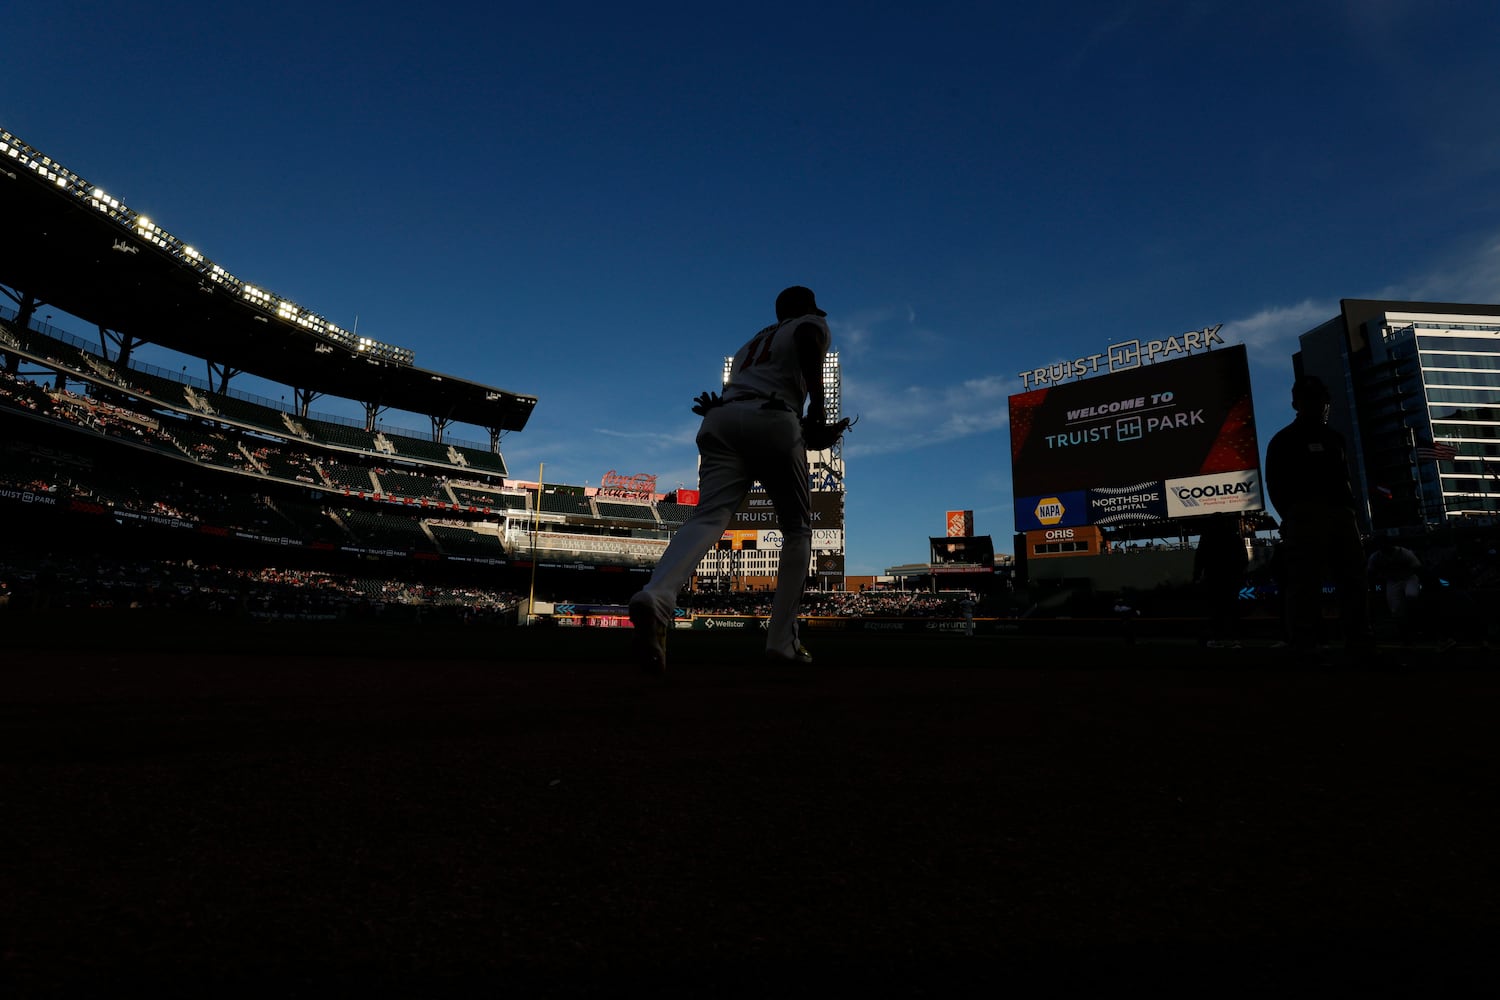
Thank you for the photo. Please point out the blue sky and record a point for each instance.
(594, 203)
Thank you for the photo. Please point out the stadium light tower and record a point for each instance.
(833, 402)
(211, 275)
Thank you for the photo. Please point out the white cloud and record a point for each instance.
(1270, 336)
(654, 441)
(917, 416)
(1472, 275)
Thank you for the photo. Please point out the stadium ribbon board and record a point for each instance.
(1172, 439)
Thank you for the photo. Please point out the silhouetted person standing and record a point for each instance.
(1219, 565)
(1396, 570)
(1307, 479)
(753, 433)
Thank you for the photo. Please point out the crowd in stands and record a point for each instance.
(837, 603)
(246, 453)
(226, 447)
(1457, 579)
(61, 582)
(58, 582)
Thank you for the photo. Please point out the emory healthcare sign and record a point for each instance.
(1168, 439)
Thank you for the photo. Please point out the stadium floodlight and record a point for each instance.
(152, 233)
(222, 277)
(97, 199)
(375, 349)
(256, 296)
(100, 201)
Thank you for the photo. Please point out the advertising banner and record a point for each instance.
(823, 538)
(1052, 510)
(1123, 436)
(1051, 543)
(1123, 504)
(1231, 491)
(757, 512)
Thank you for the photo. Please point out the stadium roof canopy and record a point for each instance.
(70, 245)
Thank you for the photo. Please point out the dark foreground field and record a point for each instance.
(299, 811)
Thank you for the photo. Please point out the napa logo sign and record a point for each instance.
(1052, 510)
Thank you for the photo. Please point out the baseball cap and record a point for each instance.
(797, 301)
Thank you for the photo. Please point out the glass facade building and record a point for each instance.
(1416, 389)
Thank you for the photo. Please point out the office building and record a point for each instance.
(1416, 393)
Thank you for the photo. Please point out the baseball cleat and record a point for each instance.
(800, 656)
(648, 643)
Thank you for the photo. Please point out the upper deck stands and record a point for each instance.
(674, 513)
(615, 510)
(567, 503)
(430, 451)
(357, 478)
(339, 435)
(410, 484)
(482, 461)
(243, 411)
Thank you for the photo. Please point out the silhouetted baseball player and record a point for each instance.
(753, 433)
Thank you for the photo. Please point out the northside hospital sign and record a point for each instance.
(1167, 431)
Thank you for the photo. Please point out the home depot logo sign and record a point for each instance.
(1049, 510)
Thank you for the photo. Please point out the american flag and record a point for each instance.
(1437, 450)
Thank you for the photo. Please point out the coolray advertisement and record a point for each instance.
(1114, 442)
(1230, 491)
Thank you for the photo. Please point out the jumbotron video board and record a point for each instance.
(1165, 440)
